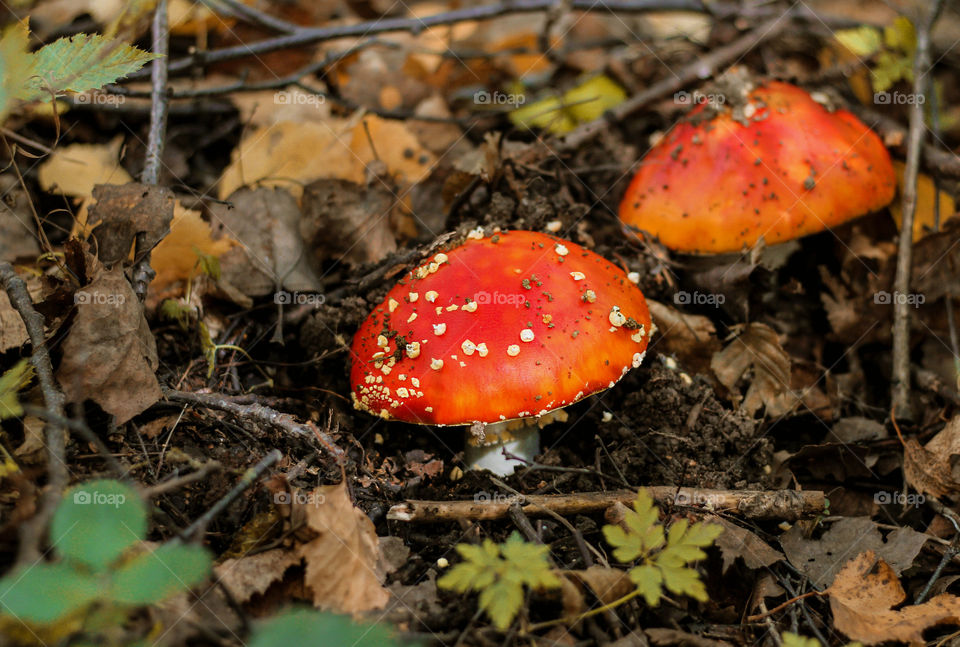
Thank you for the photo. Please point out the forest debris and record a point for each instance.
(343, 220)
(604, 583)
(663, 637)
(13, 333)
(751, 504)
(252, 575)
(692, 338)
(18, 235)
(110, 355)
(856, 429)
(271, 253)
(925, 216)
(176, 257)
(862, 597)
(934, 469)
(821, 559)
(757, 349)
(936, 261)
(121, 212)
(739, 542)
(342, 567)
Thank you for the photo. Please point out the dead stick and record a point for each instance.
(786, 505)
(31, 532)
(900, 379)
(698, 70)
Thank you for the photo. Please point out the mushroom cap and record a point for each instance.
(513, 325)
(780, 166)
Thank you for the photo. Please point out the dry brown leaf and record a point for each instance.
(739, 542)
(18, 235)
(342, 568)
(175, 258)
(934, 469)
(692, 338)
(758, 351)
(121, 212)
(110, 355)
(605, 584)
(13, 333)
(924, 217)
(270, 252)
(253, 575)
(862, 597)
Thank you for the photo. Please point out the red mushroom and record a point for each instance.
(775, 165)
(504, 327)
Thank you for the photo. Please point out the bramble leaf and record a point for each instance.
(156, 575)
(45, 593)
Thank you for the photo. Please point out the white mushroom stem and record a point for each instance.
(487, 445)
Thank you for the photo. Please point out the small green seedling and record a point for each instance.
(499, 572)
(309, 627)
(101, 574)
(663, 557)
(893, 48)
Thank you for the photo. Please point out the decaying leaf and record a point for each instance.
(109, 355)
(739, 542)
(862, 597)
(935, 468)
(12, 331)
(925, 214)
(75, 169)
(821, 559)
(348, 221)
(123, 211)
(758, 351)
(270, 252)
(18, 235)
(604, 584)
(253, 575)
(692, 338)
(342, 569)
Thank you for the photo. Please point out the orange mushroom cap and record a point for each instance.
(508, 326)
(778, 167)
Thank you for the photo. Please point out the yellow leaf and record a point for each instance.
(923, 217)
(175, 257)
(590, 99)
(74, 170)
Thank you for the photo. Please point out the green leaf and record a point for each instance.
(80, 63)
(159, 574)
(649, 581)
(547, 113)
(308, 627)
(45, 593)
(96, 521)
(593, 97)
(793, 640)
(862, 41)
(476, 572)
(528, 562)
(209, 264)
(502, 602)
(901, 35)
(683, 581)
(11, 382)
(14, 61)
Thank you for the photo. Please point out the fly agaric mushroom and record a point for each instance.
(503, 328)
(775, 164)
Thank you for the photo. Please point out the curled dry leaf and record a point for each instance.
(756, 349)
(252, 575)
(123, 211)
(935, 469)
(862, 597)
(604, 584)
(342, 561)
(110, 355)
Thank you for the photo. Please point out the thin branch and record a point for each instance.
(142, 272)
(900, 379)
(252, 15)
(31, 531)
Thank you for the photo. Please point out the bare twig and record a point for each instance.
(900, 380)
(257, 413)
(85, 432)
(248, 479)
(252, 15)
(142, 272)
(778, 504)
(699, 70)
(31, 531)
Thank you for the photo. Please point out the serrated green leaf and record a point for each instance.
(528, 562)
(154, 576)
(502, 601)
(45, 593)
(683, 581)
(309, 627)
(703, 534)
(11, 382)
(80, 63)
(793, 640)
(649, 582)
(96, 521)
(862, 41)
(901, 35)
(14, 61)
(891, 67)
(209, 264)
